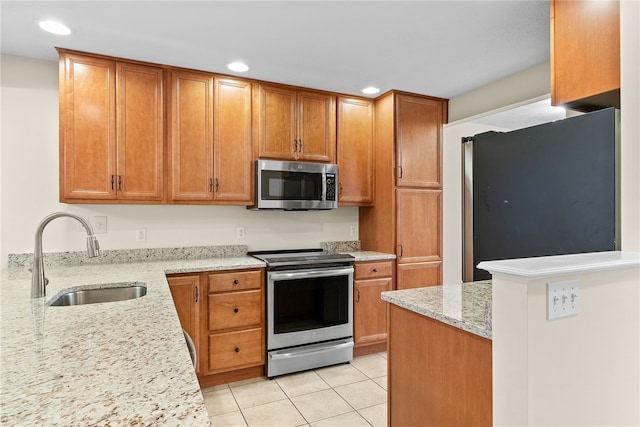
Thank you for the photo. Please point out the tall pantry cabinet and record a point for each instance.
(407, 217)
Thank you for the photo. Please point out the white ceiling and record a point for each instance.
(438, 48)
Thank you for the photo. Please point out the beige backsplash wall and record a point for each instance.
(29, 190)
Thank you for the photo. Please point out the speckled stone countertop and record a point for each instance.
(116, 363)
(466, 306)
(362, 256)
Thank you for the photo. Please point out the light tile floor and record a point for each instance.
(352, 395)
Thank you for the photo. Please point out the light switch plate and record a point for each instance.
(562, 299)
(141, 235)
(241, 233)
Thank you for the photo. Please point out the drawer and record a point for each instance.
(236, 349)
(235, 310)
(235, 281)
(373, 270)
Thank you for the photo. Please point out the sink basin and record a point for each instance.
(106, 293)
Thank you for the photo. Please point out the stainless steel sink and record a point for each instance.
(105, 293)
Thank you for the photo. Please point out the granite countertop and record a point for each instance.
(466, 306)
(362, 256)
(117, 363)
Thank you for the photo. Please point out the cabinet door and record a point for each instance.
(585, 51)
(419, 141)
(185, 291)
(419, 225)
(316, 127)
(276, 122)
(370, 312)
(419, 274)
(140, 124)
(87, 128)
(191, 133)
(355, 152)
(232, 143)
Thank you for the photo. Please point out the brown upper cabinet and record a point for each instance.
(585, 53)
(419, 141)
(355, 152)
(295, 124)
(210, 150)
(111, 131)
(190, 136)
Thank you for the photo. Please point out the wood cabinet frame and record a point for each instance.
(120, 158)
(294, 124)
(585, 53)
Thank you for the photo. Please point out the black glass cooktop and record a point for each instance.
(300, 257)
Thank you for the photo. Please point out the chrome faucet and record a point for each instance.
(38, 281)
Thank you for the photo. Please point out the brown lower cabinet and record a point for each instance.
(369, 311)
(229, 333)
(439, 375)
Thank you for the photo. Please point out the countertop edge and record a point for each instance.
(562, 265)
(399, 298)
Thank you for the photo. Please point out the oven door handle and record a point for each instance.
(303, 274)
(301, 351)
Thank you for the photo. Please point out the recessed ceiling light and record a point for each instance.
(238, 66)
(55, 28)
(370, 90)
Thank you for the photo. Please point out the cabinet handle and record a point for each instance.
(237, 349)
(210, 185)
(400, 249)
(113, 179)
(120, 182)
(235, 281)
(197, 294)
(375, 270)
(340, 189)
(295, 145)
(357, 295)
(235, 310)
(217, 185)
(400, 171)
(300, 145)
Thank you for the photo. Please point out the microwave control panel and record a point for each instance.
(331, 186)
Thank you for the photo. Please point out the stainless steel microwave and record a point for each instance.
(295, 185)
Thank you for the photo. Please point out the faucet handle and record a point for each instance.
(93, 247)
(46, 281)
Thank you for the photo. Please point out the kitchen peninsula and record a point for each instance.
(486, 354)
(439, 355)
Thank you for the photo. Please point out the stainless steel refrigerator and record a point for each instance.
(551, 189)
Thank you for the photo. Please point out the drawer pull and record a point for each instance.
(375, 270)
(236, 281)
(237, 349)
(235, 310)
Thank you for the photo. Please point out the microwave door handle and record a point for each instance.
(324, 186)
(303, 274)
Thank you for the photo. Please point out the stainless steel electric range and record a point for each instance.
(309, 309)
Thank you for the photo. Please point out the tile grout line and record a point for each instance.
(330, 387)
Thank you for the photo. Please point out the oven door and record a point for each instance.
(308, 306)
